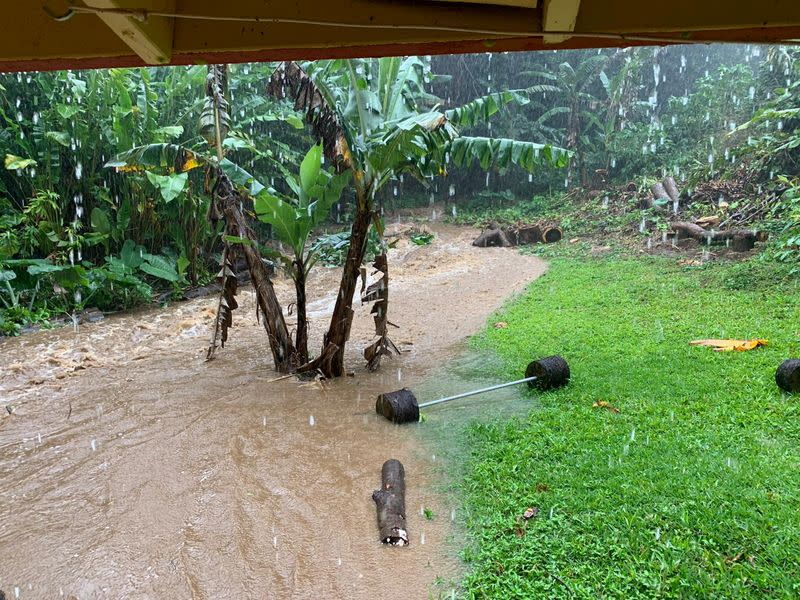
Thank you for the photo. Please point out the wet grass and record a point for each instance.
(691, 490)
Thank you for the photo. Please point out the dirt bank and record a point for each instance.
(131, 467)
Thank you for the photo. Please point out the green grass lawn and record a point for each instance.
(691, 491)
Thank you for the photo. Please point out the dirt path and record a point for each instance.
(132, 468)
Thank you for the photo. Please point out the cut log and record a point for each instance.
(552, 235)
(492, 238)
(788, 375)
(529, 234)
(671, 188)
(523, 234)
(659, 191)
(741, 239)
(390, 501)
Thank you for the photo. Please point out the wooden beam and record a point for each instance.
(517, 3)
(559, 15)
(151, 39)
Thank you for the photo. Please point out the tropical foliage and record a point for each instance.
(410, 131)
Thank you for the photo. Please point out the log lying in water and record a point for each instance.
(788, 375)
(390, 501)
(741, 239)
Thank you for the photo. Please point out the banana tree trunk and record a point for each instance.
(342, 319)
(229, 202)
(301, 337)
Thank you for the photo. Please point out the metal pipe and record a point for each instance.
(480, 391)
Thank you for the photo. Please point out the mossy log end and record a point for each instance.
(390, 501)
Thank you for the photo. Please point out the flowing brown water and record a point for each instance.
(132, 468)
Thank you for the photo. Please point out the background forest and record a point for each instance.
(80, 228)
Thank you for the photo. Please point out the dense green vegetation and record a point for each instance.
(80, 226)
(690, 490)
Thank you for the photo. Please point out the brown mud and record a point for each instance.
(132, 468)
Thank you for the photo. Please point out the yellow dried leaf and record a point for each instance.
(189, 164)
(607, 405)
(730, 345)
(129, 169)
(500, 325)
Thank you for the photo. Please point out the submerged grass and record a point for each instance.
(692, 490)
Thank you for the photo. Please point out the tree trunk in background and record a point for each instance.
(301, 337)
(339, 330)
(229, 202)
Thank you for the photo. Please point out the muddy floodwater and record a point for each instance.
(131, 468)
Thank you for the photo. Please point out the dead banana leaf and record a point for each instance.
(730, 345)
(226, 305)
(378, 293)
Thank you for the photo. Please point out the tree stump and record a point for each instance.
(788, 375)
(390, 501)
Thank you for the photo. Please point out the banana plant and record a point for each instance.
(293, 219)
(375, 118)
(576, 104)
